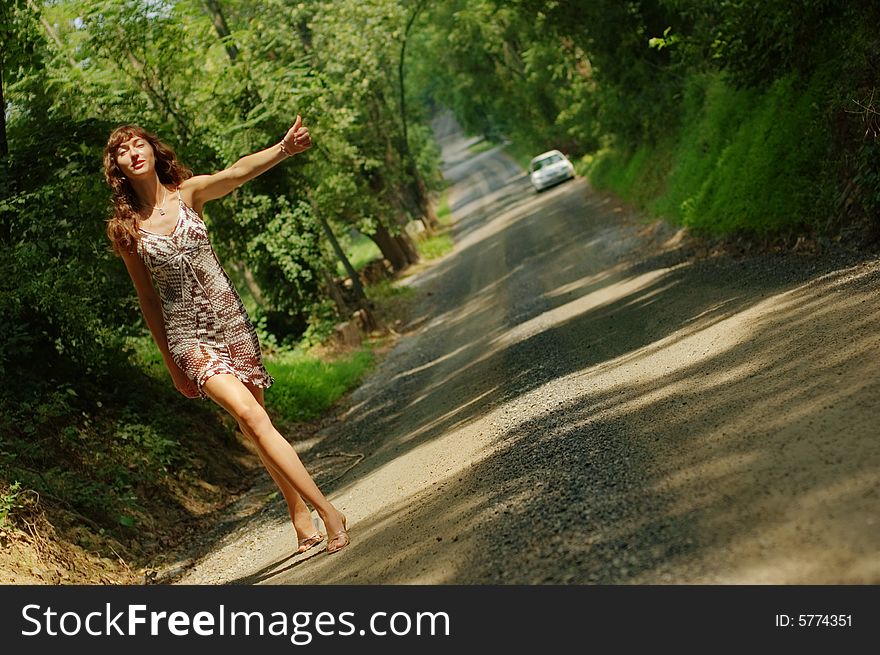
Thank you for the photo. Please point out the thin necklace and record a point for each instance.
(161, 206)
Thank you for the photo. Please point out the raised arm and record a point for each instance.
(203, 188)
(151, 307)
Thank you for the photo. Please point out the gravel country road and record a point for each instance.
(579, 399)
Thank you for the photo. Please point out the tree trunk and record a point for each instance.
(250, 98)
(51, 32)
(407, 246)
(222, 29)
(5, 172)
(355, 279)
(341, 306)
(250, 282)
(4, 146)
(159, 101)
(390, 248)
(432, 223)
(426, 211)
(400, 70)
(252, 285)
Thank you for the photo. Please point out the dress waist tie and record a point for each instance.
(183, 260)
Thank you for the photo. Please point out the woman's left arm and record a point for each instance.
(203, 188)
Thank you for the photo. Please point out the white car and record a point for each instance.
(550, 168)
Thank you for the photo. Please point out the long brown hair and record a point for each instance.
(122, 224)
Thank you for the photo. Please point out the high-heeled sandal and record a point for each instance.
(309, 542)
(340, 537)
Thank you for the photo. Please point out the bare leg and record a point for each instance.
(300, 515)
(231, 394)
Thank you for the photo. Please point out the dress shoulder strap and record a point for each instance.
(178, 194)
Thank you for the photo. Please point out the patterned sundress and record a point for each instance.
(206, 324)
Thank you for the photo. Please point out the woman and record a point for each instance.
(190, 305)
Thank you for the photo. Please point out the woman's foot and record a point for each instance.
(339, 539)
(306, 535)
(309, 542)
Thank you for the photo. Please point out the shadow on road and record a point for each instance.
(652, 419)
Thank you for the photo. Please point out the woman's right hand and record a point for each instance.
(297, 138)
(182, 382)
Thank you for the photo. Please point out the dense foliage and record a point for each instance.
(216, 79)
(736, 115)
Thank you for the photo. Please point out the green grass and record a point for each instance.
(767, 177)
(743, 160)
(436, 246)
(387, 291)
(444, 213)
(623, 173)
(481, 146)
(306, 386)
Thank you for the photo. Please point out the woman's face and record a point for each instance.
(135, 157)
